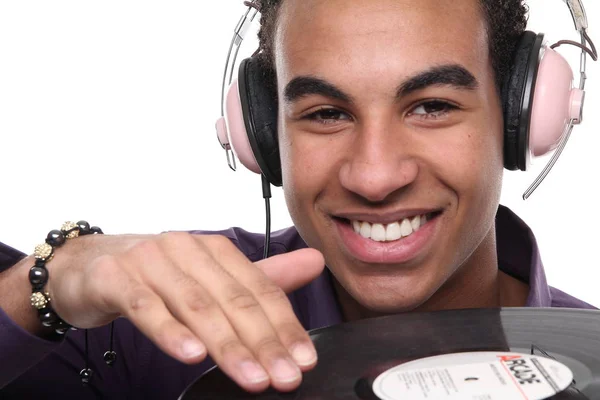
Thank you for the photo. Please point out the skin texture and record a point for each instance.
(379, 154)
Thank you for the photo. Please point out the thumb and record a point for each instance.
(291, 271)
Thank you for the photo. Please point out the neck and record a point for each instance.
(478, 283)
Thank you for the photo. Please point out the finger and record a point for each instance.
(241, 309)
(291, 271)
(197, 309)
(273, 300)
(108, 283)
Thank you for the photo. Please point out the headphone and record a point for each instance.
(540, 103)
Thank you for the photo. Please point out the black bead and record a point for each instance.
(48, 319)
(38, 276)
(84, 227)
(62, 331)
(56, 238)
(40, 263)
(86, 375)
(45, 310)
(37, 288)
(110, 357)
(95, 229)
(60, 326)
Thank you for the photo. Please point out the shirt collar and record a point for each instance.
(519, 256)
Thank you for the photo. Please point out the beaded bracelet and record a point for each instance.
(38, 277)
(38, 274)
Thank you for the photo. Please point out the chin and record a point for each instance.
(386, 306)
(386, 295)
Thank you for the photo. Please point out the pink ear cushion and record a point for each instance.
(554, 103)
(237, 129)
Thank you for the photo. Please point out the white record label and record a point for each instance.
(474, 376)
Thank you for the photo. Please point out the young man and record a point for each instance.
(391, 141)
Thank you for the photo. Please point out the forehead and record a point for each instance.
(376, 36)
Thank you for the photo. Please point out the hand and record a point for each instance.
(193, 295)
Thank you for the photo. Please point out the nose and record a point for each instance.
(380, 162)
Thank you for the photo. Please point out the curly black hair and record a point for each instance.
(506, 22)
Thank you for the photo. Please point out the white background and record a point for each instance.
(107, 113)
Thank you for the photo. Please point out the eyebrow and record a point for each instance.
(453, 75)
(304, 86)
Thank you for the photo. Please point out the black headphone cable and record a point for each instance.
(266, 190)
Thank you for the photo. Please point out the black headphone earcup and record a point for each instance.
(517, 100)
(259, 108)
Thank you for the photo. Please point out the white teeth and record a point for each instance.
(392, 232)
(378, 232)
(405, 228)
(356, 226)
(416, 223)
(365, 230)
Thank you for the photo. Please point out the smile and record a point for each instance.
(386, 242)
(393, 231)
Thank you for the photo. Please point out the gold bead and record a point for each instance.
(68, 226)
(43, 251)
(39, 300)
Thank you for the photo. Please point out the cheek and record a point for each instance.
(307, 165)
(308, 161)
(473, 169)
(472, 158)
(469, 156)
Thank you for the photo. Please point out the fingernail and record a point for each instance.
(192, 348)
(253, 373)
(304, 354)
(285, 371)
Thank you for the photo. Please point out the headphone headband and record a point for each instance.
(578, 14)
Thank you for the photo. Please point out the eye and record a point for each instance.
(327, 116)
(433, 109)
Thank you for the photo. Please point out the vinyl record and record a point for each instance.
(353, 355)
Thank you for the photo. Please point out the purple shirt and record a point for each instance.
(31, 367)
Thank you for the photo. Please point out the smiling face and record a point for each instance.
(391, 143)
